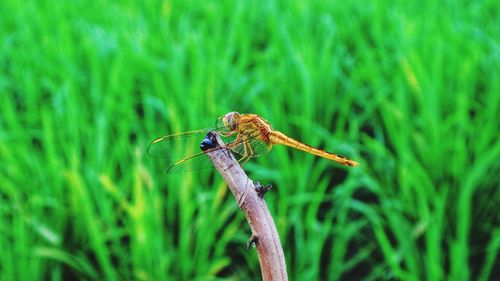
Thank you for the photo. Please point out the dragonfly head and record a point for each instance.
(231, 120)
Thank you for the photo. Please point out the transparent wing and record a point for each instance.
(259, 147)
(250, 145)
(195, 162)
(170, 146)
(182, 151)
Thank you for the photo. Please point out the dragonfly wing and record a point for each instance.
(185, 143)
(182, 152)
(238, 148)
(259, 147)
(196, 162)
(249, 146)
(172, 146)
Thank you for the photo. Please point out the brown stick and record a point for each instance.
(264, 233)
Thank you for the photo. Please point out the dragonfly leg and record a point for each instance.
(250, 150)
(247, 151)
(234, 144)
(235, 147)
(227, 134)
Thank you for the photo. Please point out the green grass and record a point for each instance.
(409, 89)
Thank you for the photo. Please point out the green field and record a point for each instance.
(410, 89)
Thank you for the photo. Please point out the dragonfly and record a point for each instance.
(246, 136)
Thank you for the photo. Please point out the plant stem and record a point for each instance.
(264, 233)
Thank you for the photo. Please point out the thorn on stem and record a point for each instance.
(261, 189)
(252, 242)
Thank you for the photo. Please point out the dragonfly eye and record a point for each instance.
(230, 120)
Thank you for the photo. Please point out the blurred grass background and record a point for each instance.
(411, 89)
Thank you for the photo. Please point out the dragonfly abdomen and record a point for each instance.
(277, 137)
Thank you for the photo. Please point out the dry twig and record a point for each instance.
(249, 197)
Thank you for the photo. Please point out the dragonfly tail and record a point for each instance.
(280, 138)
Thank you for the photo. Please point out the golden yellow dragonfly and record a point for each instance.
(250, 136)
